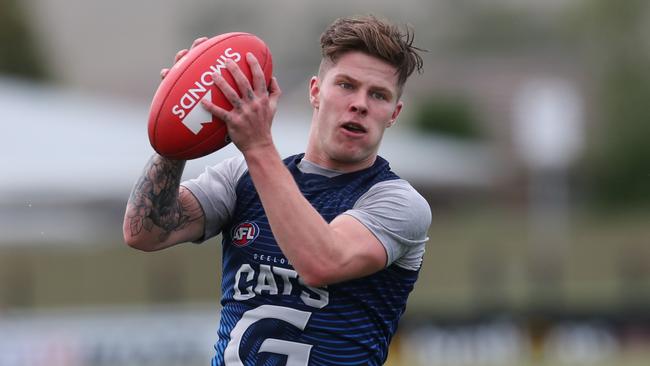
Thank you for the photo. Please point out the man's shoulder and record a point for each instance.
(233, 167)
(396, 187)
(236, 163)
(397, 197)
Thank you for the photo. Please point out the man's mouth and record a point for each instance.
(354, 127)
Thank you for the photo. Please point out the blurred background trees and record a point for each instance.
(450, 116)
(19, 54)
(617, 35)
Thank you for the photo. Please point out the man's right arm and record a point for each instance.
(161, 213)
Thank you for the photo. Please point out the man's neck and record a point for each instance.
(325, 162)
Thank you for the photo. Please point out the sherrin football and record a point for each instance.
(179, 127)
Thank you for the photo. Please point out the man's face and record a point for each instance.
(354, 101)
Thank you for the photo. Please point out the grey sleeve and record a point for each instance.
(215, 191)
(399, 217)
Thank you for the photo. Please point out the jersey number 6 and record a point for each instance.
(297, 353)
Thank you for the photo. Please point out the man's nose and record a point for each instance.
(359, 104)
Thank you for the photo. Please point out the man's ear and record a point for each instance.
(314, 91)
(396, 111)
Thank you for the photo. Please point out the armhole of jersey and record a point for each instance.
(405, 255)
(235, 168)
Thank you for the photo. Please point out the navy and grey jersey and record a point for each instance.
(269, 315)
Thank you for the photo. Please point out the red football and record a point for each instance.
(179, 127)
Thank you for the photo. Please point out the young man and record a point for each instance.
(321, 250)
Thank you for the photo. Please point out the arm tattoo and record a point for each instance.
(155, 202)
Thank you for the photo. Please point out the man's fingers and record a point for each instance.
(221, 113)
(180, 54)
(164, 73)
(274, 93)
(227, 90)
(259, 82)
(241, 81)
(274, 88)
(198, 41)
(184, 51)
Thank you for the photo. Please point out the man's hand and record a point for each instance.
(179, 55)
(254, 106)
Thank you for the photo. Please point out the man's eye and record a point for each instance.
(378, 95)
(345, 85)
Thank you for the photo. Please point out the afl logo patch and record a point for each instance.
(245, 233)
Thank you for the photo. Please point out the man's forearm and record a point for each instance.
(154, 209)
(300, 231)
